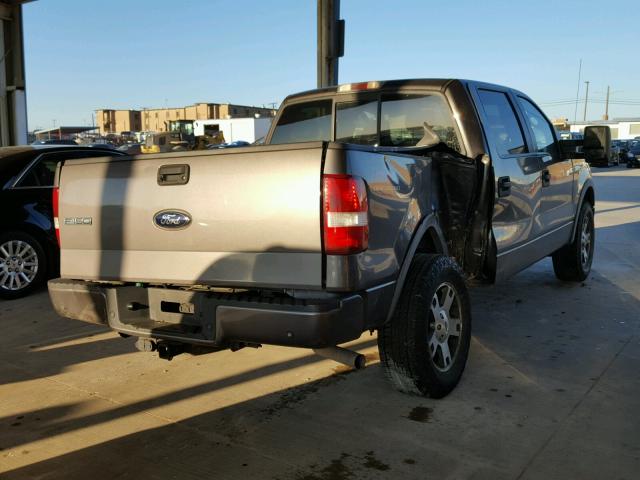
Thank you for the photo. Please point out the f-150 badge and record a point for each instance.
(172, 219)
(78, 220)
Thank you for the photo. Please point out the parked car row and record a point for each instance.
(624, 147)
(633, 155)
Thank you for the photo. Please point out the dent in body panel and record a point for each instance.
(400, 194)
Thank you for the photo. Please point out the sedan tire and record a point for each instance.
(23, 264)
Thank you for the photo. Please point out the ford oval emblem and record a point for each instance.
(172, 219)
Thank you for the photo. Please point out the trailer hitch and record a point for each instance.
(166, 350)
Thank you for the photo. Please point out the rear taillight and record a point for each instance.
(55, 200)
(346, 223)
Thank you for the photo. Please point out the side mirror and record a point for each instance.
(597, 143)
(570, 149)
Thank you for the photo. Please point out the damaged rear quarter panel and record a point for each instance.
(400, 195)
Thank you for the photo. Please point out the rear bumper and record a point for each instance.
(219, 319)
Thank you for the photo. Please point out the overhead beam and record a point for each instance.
(13, 103)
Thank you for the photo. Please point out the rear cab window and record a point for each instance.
(357, 122)
(409, 120)
(376, 119)
(304, 122)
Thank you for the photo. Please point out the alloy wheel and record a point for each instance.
(18, 265)
(586, 237)
(445, 326)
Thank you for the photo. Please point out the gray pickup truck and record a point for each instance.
(370, 207)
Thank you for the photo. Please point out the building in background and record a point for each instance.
(116, 121)
(159, 119)
(621, 128)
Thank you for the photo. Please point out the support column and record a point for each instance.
(330, 41)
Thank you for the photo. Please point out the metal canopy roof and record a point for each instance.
(65, 130)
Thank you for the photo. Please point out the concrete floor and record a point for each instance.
(551, 390)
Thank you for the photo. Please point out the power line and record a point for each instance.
(591, 100)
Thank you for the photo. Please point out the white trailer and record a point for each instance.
(233, 129)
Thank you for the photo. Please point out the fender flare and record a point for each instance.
(588, 184)
(429, 223)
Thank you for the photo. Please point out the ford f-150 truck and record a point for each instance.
(370, 207)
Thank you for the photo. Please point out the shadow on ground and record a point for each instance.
(542, 350)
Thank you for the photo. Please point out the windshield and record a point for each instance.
(390, 120)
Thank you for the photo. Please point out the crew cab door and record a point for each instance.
(553, 229)
(517, 181)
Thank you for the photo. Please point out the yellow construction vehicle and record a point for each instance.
(164, 142)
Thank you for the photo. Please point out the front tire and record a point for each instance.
(23, 265)
(425, 345)
(572, 263)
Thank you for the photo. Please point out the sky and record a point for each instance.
(85, 55)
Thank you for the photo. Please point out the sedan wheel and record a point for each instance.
(18, 265)
(23, 265)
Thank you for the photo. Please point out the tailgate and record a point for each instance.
(244, 217)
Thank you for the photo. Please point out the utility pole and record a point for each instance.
(575, 112)
(330, 41)
(586, 100)
(606, 108)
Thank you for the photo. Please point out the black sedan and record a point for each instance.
(633, 156)
(28, 246)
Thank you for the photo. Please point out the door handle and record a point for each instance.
(546, 178)
(173, 175)
(504, 186)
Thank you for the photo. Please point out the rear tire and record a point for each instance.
(425, 345)
(572, 263)
(23, 264)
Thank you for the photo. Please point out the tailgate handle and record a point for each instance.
(173, 175)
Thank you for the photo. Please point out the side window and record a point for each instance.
(357, 122)
(305, 122)
(42, 173)
(540, 128)
(408, 120)
(502, 126)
